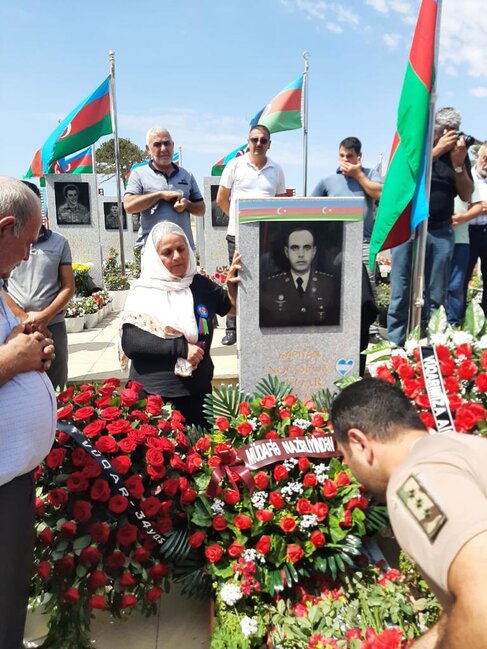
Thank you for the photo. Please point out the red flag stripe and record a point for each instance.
(89, 115)
(422, 56)
(288, 100)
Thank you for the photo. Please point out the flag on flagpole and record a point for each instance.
(403, 204)
(283, 113)
(83, 126)
(79, 163)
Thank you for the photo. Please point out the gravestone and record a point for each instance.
(79, 215)
(307, 333)
(214, 251)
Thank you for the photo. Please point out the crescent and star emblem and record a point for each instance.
(66, 131)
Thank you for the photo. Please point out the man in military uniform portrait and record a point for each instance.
(111, 216)
(435, 486)
(72, 210)
(301, 295)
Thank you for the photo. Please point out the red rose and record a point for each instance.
(127, 445)
(112, 382)
(310, 480)
(244, 429)
(110, 413)
(284, 413)
(170, 487)
(272, 434)
(384, 374)
(77, 482)
(65, 411)
(222, 424)
(203, 444)
(97, 602)
(294, 553)
(158, 571)
(71, 595)
(276, 500)
(304, 464)
(140, 555)
(219, 523)
(100, 532)
(66, 395)
(320, 510)
(65, 565)
(422, 401)
(127, 580)
(447, 367)
(121, 464)
(342, 479)
(156, 473)
(119, 426)
(100, 491)
(91, 469)
(154, 404)
(280, 472)
(290, 400)
(118, 504)
(268, 401)
(317, 539)
(82, 398)
(44, 569)
(115, 560)
(135, 486)
(213, 553)
(97, 580)
(264, 419)
(287, 524)
(261, 480)
(481, 382)
(127, 600)
(62, 438)
(231, 496)
(303, 506)
(83, 413)
(427, 419)
(128, 397)
(264, 515)
(235, 550)
(243, 522)
(329, 489)
(106, 444)
(153, 594)
(151, 506)
(193, 462)
(127, 534)
(68, 529)
(55, 458)
(295, 431)
(103, 402)
(138, 415)
(263, 545)
(463, 350)
(467, 370)
(244, 409)
(94, 428)
(40, 508)
(154, 457)
(196, 539)
(91, 555)
(79, 457)
(405, 371)
(82, 511)
(347, 519)
(58, 497)
(317, 420)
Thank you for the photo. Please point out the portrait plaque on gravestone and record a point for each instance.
(72, 203)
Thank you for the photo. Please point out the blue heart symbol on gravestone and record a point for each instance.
(344, 366)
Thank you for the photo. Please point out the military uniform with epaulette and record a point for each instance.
(281, 304)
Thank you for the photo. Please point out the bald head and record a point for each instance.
(156, 131)
(160, 146)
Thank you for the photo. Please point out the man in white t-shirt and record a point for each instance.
(253, 175)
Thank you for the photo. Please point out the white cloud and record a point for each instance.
(479, 91)
(378, 5)
(462, 40)
(333, 14)
(392, 40)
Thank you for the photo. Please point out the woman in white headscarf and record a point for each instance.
(167, 324)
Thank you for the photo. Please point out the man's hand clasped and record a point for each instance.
(34, 350)
(232, 277)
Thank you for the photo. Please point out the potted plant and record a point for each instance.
(90, 307)
(75, 316)
(115, 282)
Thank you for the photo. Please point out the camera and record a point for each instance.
(470, 140)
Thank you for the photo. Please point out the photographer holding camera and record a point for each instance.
(451, 176)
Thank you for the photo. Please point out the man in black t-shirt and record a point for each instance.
(451, 176)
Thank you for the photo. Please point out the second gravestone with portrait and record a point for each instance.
(211, 241)
(300, 294)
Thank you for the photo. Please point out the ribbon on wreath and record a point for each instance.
(230, 463)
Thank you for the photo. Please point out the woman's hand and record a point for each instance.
(233, 279)
(195, 354)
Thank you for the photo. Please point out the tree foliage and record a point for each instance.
(130, 153)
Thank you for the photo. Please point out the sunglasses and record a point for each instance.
(259, 140)
(166, 143)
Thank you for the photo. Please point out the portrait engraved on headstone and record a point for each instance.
(110, 210)
(72, 203)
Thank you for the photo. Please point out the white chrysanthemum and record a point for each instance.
(462, 337)
(399, 351)
(259, 499)
(250, 554)
(302, 423)
(292, 490)
(321, 471)
(410, 346)
(308, 520)
(217, 506)
(254, 422)
(248, 626)
(230, 594)
(439, 339)
(482, 343)
(290, 463)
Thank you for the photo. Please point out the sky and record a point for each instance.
(203, 68)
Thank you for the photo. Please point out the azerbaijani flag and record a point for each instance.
(83, 126)
(403, 204)
(283, 113)
(79, 163)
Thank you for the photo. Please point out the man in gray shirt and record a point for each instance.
(162, 191)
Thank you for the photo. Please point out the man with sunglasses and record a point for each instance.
(253, 175)
(162, 191)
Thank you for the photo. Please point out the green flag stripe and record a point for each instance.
(82, 139)
(283, 121)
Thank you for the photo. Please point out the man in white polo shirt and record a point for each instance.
(27, 415)
(252, 175)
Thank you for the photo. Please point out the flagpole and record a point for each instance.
(420, 247)
(306, 56)
(180, 150)
(113, 110)
(93, 158)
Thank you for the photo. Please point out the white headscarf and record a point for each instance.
(160, 302)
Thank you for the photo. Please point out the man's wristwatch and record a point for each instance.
(459, 170)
